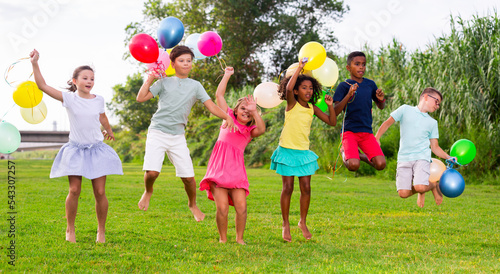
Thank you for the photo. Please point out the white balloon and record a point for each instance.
(328, 73)
(192, 43)
(35, 114)
(266, 95)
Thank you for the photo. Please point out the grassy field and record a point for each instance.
(358, 225)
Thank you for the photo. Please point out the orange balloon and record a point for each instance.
(436, 170)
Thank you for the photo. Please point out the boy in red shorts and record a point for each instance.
(354, 96)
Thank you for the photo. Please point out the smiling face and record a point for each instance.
(304, 92)
(357, 68)
(242, 114)
(84, 82)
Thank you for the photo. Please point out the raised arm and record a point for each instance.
(381, 99)
(330, 119)
(40, 82)
(383, 128)
(144, 94)
(339, 106)
(290, 98)
(221, 89)
(259, 123)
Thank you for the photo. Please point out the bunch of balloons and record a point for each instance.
(319, 66)
(451, 182)
(170, 32)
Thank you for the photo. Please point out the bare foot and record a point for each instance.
(438, 195)
(305, 231)
(421, 199)
(286, 233)
(222, 241)
(101, 238)
(241, 242)
(144, 202)
(198, 215)
(70, 236)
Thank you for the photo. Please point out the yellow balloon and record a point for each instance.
(436, 170)
(315, 53)
(27, 95)
(35, 114)
(170, 71)
(293, 67)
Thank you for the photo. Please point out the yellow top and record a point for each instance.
(295, 134)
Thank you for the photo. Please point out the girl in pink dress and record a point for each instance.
(226, 179)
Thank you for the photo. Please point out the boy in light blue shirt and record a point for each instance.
(418, 138)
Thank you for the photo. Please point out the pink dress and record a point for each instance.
(226, 167)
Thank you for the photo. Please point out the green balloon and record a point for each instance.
(464, 150)
(321, 102)
(10, 138)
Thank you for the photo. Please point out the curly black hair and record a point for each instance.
(317, 91)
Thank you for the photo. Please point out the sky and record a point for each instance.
(70, 33)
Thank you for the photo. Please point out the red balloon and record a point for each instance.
(144, 48)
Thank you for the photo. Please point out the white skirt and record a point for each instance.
(90, 161)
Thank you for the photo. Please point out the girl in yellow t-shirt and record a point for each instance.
(293, 157)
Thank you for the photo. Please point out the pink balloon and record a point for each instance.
(161, 63)
(209, 43)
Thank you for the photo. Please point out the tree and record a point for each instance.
(255, 33)
(133, 115)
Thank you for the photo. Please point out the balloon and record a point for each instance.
(27, 95)
(161, 64)
(266, 95)
(36, 114)
(143, 48)
(192, 43)
(452, 183)
(315, 53)
(170, 32)
(170, 70)
(293, 67)
(436, 170)
(464, 150)
(321, 102)
(10, 138)
(209, 43)
(327, 74)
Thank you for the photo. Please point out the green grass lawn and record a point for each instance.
(358, 225)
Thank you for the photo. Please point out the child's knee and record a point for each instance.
(352, 165)
(403, 193)
(222, 210)
(287, 189)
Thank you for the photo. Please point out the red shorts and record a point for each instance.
(364, 140)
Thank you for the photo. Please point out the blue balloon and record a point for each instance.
(170, 32)
(452, 183)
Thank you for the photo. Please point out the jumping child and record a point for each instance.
(355, 96)
(177, 94)
(418, 132)
(85, 155)
(226, 179)
(293, 157)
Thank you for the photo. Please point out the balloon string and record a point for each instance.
(220, 62)
(7, 71)
(7, 111)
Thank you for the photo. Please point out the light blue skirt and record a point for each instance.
(90, 161)
(293, 162)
